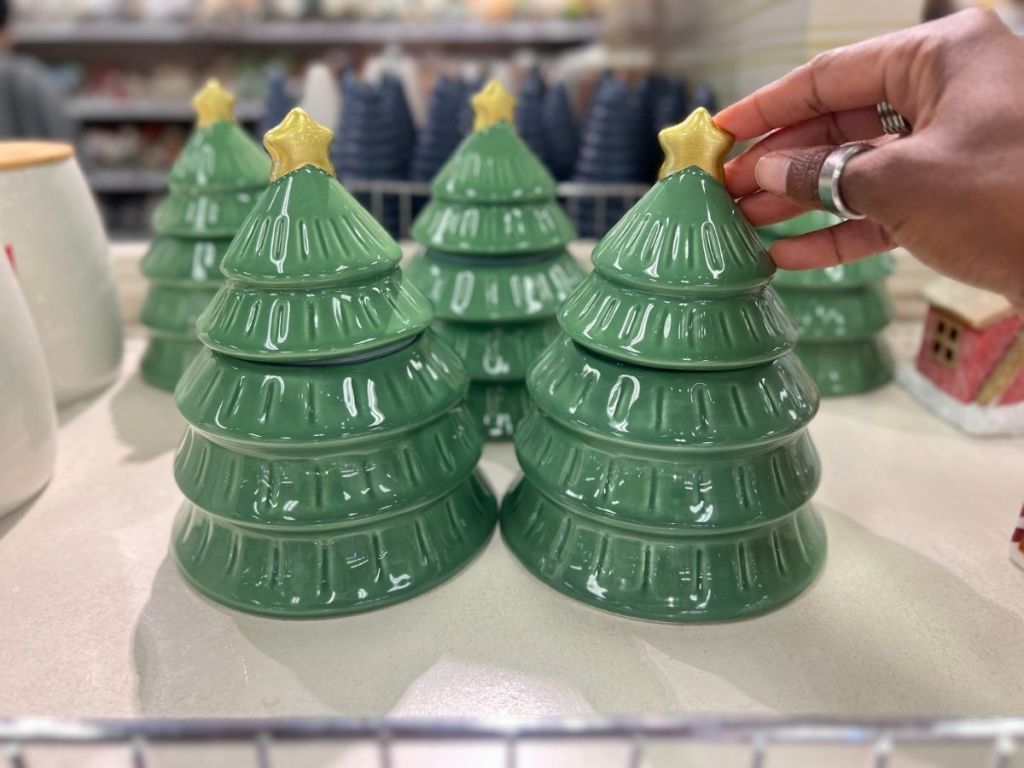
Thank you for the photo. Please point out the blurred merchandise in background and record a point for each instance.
(595, 79)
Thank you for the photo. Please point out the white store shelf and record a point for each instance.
(918, 610)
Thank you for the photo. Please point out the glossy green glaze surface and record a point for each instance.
(849, 367)
(213, 184)
(310, 277)
(810, 221)
(492, 290)
(308, 231)
(670, 331)
(348, 568)
(392, 472)
(499, 407)
(872, 270)
(493, 167)
(329, 463)
(166, 359)
(321, 323)
(668, 470)
(478, 230)
(174, 261)
(649, 575)
(313, 406)
(219, 158)
(687, 239)
(498, 353)
(495, 267)
(840, 312)
(658, 406)
(203, 214)
(171, 309)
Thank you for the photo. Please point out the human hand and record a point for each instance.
(951, 192)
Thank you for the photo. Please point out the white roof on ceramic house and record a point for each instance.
(974, 306)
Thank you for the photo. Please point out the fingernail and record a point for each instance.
(771, 171)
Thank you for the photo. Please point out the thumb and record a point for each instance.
(871, 182)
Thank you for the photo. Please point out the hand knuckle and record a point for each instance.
(976, 18)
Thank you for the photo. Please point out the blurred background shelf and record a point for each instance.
(310, 33)
(89, 109)
(127, 180)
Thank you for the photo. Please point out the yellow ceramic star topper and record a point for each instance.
(492, 104)
(297, 141)
(213, 104)
(695, 141)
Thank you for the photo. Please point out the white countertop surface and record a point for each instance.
(919, 610)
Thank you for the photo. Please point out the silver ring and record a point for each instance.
(830, 176)
(892, 121)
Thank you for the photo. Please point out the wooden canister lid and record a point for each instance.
(27, 154)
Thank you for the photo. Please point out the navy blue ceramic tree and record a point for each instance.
(374, 140)
(278, 101)
(440, 134)
(703, 96)
(529, 113)
(610, 152)
(561, 133)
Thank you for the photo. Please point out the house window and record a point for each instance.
(946, 337)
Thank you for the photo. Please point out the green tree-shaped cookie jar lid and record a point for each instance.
(493, 196)
(682, 280)
(861, 272)
(215, 179)
(311, 275)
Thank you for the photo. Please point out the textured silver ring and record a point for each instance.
(830, 176)
(892, 121)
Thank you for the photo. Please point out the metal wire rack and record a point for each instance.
(758, 737)
(596, 206)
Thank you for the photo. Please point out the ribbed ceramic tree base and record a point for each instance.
(346, 569)
(660, 575)
(847, 367)
(498, 406)
(165, 361)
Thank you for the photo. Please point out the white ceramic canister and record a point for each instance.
(51, 231)
(320, 95)
(28, 421)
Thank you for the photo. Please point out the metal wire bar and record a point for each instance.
(1006, 748)
(378, 192)
(15, 758)
(263, 750)
(636, 752)
(138, 754)
(384, 747)
(511, 752)
(882, 752)
(564, 189)
(709, 730)
(757, 750)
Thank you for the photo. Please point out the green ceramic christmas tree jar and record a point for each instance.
(494, 262)
(840, 311)
(329, 465)
(668, 473)
(213, 184)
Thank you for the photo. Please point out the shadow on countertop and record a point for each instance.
(146, 419)
(884, 631)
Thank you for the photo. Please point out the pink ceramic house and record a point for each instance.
(970, 365)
